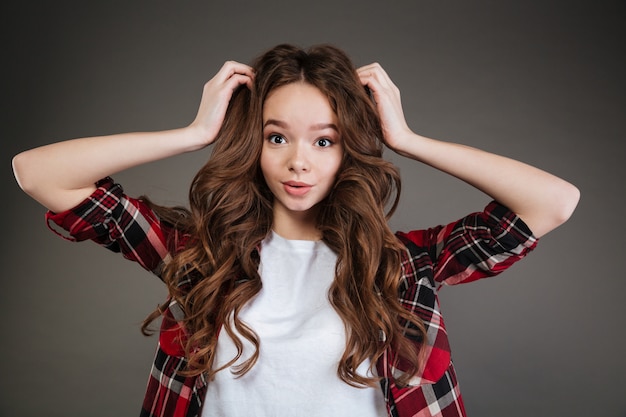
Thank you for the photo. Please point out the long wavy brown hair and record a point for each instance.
(230, 213)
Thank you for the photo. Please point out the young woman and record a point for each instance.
(288, 292)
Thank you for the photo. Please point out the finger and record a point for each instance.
(377, 72)
(379, 84)
(374, 69)
(366, 77)
(371, 81)
(373, 65)
(238, 79)
(231, 68)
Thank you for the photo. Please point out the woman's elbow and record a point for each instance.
(20, 164)
(560, 208)
(567, 201)
(31, 174)
(553, 210)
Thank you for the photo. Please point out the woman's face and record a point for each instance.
(302, 150)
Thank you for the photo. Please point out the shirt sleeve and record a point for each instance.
(120, 224)
(479, 245)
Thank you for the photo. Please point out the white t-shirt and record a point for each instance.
(301, 338)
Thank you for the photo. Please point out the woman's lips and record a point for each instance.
(296, 188)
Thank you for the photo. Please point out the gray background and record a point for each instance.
(538, 81)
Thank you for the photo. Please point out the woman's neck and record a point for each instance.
(296, 226)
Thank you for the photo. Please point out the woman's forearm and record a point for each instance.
(62, 174)
(541, 199)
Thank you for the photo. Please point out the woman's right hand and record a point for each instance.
(215, 98)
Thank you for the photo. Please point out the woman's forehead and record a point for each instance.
(298, 102)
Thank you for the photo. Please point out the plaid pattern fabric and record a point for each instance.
(479, 245)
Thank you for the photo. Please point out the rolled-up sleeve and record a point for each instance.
(119, 223)
(479, 245)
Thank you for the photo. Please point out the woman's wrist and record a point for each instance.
(195, 137)
(408, 144)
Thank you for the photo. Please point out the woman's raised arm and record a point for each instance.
(541, 199)
(62, 174)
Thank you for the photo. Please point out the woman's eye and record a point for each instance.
(277, 139)
(324, 142)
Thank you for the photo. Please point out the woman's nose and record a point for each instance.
(298, 159)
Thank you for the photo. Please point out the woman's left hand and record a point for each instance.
(389, 105)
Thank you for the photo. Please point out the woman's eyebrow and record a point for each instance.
(322, 126)
(275, 122)
(316, 126)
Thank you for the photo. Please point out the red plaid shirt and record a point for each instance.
(479, 245)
